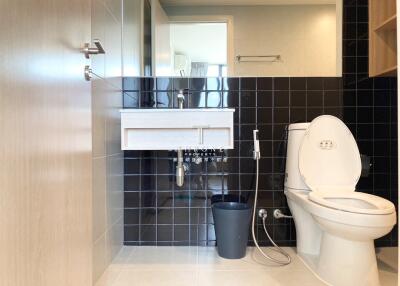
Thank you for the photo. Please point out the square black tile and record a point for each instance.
(298, 83)
(248, 115)
(165, 99)
(131, 99)
(316, 83)
(248, 98)
(164, 233)
(264, 83)
(315, 98)
(230, 99)
(214, 99)
(281, 115)
(198, 99)
(131, 199)
(147, 84)
(148, 216)
(214, 83)
(264, 98)
(132, 183)
(165, 199)
(131, 233)
(180, 83)
(165, 216)
(248, 83)
(164, 84)
(281, 83)
(148, 99)
(281, 98)
(181, 232)
(131, 84)
(198, 84)
(333, 98)
(231, 83)
(148, 199)
(298, 98)
(264, 115)
(148, 233)
(131, 216)
(298, 115)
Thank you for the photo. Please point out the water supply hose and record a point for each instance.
(276, 248)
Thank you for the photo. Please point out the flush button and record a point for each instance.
(326, 144)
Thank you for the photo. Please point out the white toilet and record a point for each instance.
(335, 225)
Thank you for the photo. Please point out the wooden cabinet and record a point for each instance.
(382, 38)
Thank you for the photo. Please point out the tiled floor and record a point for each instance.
(201, 266)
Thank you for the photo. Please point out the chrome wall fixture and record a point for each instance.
(180, 167)
(87, 50)
(259, 58)
(88, 73)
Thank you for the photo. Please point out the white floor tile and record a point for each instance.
(388, 265)
(201, 266)
(158, 277)
(234, 278)
(148, 257)
(110, 276)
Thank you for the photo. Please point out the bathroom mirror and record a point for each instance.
(208, 38)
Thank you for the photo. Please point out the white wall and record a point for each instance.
(107, 157)
(205, 42)
(305, 36)
(132, 37)
(161, 54)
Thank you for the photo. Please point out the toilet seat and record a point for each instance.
(329, 156)
(330, 165)
(353, 202)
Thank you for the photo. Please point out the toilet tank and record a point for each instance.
(293, 178)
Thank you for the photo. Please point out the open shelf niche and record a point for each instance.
(382, 38)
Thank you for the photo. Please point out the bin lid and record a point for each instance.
(231, 206)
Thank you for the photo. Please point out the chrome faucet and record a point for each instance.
(181, 98)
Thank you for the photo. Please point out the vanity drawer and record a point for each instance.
(174, 129)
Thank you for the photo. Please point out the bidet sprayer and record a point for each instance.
(256, 152)
(262, 213)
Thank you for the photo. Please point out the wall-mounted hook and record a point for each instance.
(88, 73)
(87, 50)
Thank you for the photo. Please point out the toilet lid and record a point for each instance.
(329, 158)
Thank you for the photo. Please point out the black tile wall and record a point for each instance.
(157, 212)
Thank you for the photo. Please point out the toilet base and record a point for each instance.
(344, 262)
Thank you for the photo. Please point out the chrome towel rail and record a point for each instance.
(266, 58)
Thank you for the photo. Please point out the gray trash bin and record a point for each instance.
(232, 224)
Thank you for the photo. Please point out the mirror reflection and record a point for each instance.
(204, 38)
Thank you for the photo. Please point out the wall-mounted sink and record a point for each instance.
(175, 129)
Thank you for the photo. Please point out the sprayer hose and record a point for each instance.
(276, 248)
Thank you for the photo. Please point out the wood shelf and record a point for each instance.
(389, 72)
(387, 25)
(382, 38)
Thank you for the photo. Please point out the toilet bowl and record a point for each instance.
(335, 225)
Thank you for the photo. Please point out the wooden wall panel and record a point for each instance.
(45, 146)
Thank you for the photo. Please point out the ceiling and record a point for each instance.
(243, 2)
